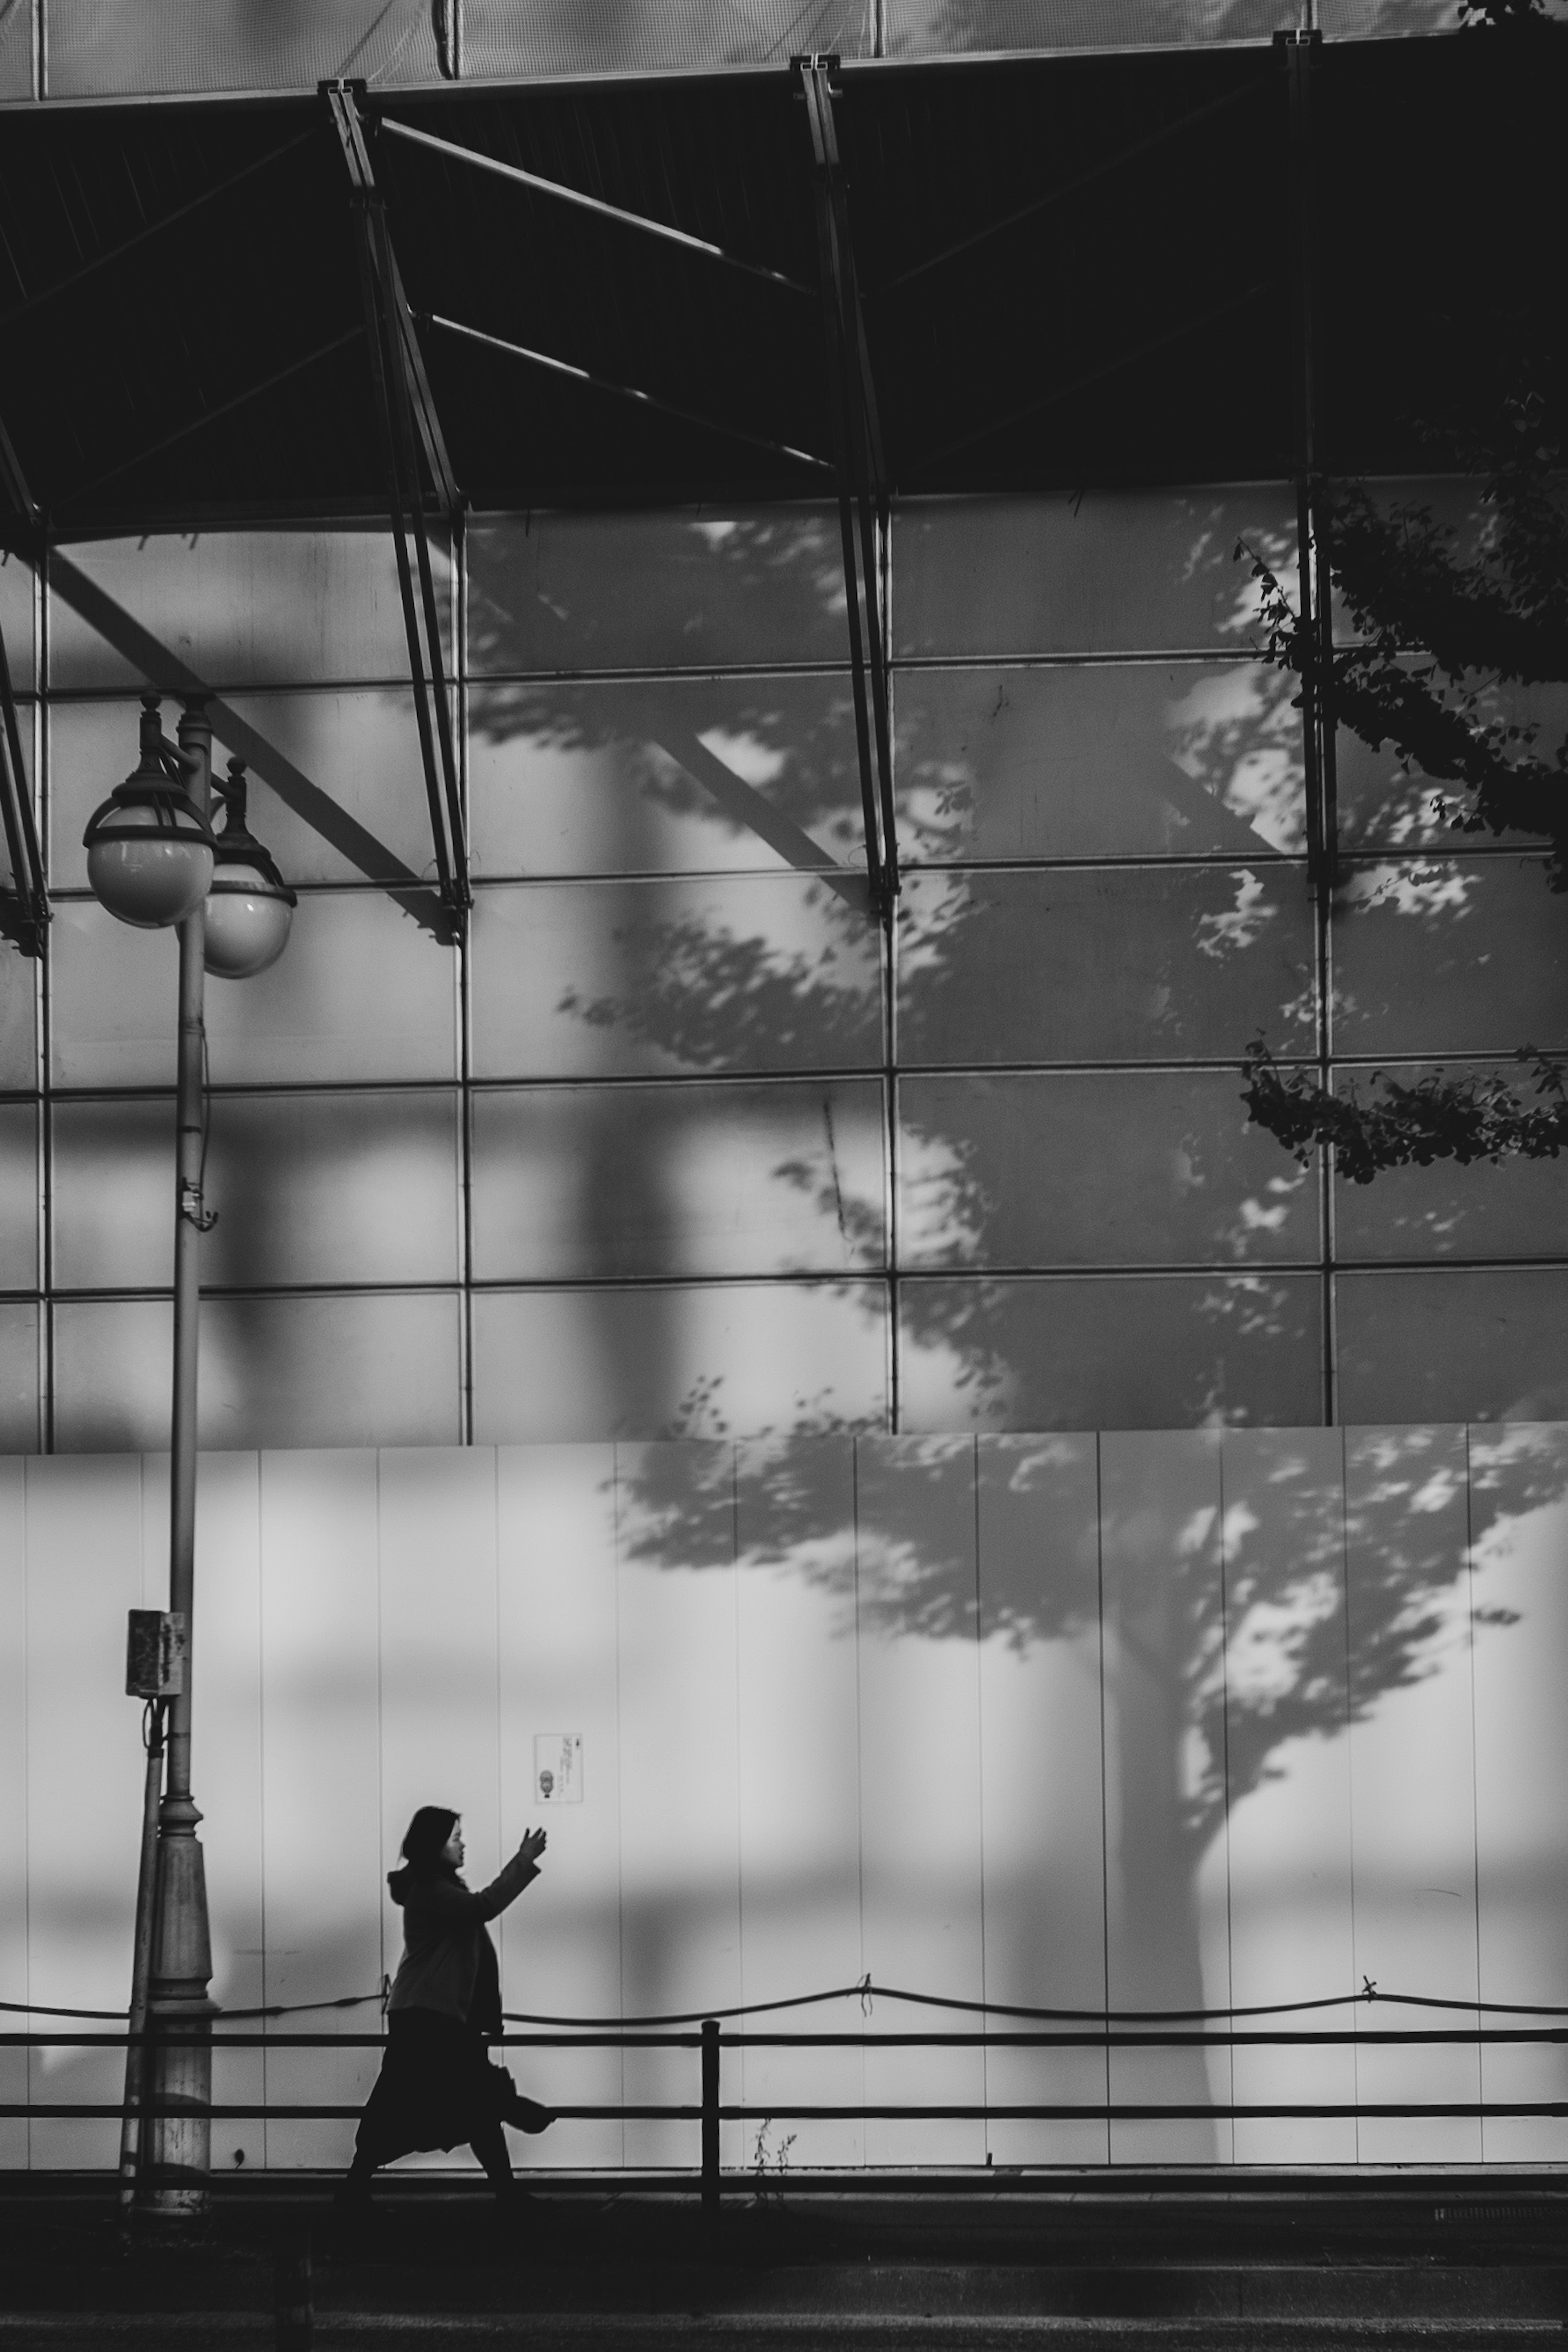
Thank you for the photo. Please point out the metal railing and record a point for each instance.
(710, 2040)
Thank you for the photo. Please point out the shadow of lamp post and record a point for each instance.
(154, 862)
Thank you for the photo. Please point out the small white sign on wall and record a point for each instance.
(557, 1768)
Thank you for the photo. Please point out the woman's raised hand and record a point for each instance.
(533, 1845)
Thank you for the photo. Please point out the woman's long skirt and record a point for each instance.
(437, 2088)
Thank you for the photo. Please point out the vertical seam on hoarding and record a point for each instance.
(1349, 1763)
(980, 1784)
(1225, 1781)
(28, 1473)
(860, 1768)
(740, 1783)
(381, 1745)
(1104, 1794)
(620, 1769)
(261, 1756)
(1474, 1770)
(501, 1830)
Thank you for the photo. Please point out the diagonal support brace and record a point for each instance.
(31, 897)
(863, 513)
(409, 428)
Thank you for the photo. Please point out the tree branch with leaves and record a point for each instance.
(1476, 1117)
(1441, 633)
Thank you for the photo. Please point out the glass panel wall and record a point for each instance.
(674, 1137)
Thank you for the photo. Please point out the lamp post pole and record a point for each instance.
(153, 862)
(179, 2012)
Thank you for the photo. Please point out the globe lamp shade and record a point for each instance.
(250, 906)
(249, 912)
(149, 853)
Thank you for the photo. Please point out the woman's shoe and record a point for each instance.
(516, 2211)
(528, 2116)
(352, 2201)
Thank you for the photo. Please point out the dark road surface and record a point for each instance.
(1076, 2262)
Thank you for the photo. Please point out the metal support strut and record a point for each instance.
(175, 2155)
(862, 478)
(1302, 51)
(21, 834)
(409, 429)
(28, 884)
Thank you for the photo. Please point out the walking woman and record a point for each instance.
(437, 2086)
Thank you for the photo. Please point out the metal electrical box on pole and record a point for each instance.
(155, 1647)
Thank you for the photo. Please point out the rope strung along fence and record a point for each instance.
(865, 1991)
(1069, 2029)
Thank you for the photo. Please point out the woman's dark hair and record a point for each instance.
(424, 1838)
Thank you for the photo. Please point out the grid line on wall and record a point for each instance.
(904, 1058)
(773, 1074)
(1253, 1274)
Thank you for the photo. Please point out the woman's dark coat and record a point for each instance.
(437, 2087)
(448, 1961)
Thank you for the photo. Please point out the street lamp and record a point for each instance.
(249, 905)
(150, 847)
(152, 861)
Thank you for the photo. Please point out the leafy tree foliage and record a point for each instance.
(1439, 628)
(1438, 1117)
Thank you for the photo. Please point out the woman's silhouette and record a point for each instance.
(437, 2086)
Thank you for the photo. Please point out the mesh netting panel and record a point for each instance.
(1368, 20)
(503, 38)
(99, 48)
(15, 50)
(947, 27)
(104, 47)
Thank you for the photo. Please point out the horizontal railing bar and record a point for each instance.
(292, 2111)
(345, 2040)
(1124, 2114)
(1469, 2034)
(1347, 2038)
(42, 2111)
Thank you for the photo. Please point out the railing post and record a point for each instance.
(293, 2306)
(710, 2123)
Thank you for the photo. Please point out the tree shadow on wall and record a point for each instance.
(1228, 1623)
(1237, 1606)
(994, 966)
(1097, 965)
(1246, 1592)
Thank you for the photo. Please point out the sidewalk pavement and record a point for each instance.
(1080, 2262)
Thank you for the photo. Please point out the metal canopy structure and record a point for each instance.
(1210, 264)
(1072, 270)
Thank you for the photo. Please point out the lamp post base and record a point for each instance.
(176, 2144)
